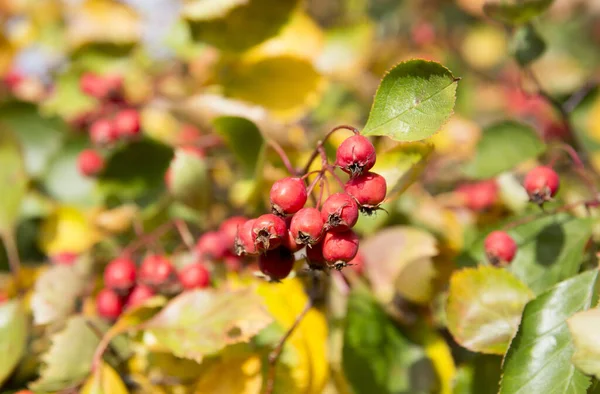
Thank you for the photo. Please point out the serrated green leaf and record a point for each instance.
(376, 355)
(414, 100)
(550, 249)
(189, 181)
(517, 12)
(202, 322)
(13, 336)
(503, 146)
(539, 357)
(527, 45)
(244, 26)
(402, 165)
(12, 172)
(69, 360)
(484, 308)
(586, 339)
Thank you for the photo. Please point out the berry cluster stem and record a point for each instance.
(321, 143)
(284, 158)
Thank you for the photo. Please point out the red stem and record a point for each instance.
(284, 158)
(321, 142)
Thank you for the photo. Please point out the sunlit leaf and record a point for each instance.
(204, 10)
(586, 340)
(484, 308)
(67, 230)
(69, 360)
(398, 261)
(414, 100)
(243, 375)
(586, 123)
(202, 322)
(527, 45)
(503, 146)
(515, 12)
(244, 140)
(12, 172)
(13, 336)
(188, 179)
(539, 356)
(104, 380)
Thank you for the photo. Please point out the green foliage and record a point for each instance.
(13, 336)
(527, 45)
(13, 173)
(543, 336)
(517, 12)
(414, 100)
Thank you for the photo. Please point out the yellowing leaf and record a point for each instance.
(285, 85)
(200, 10)
(102, 21)
(13, 336)
(239, 374)
(104, 381)
(586, 339)
(67, 230)
(440, 355)
(13, 173)
(202, 322)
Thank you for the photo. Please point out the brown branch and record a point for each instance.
(185, 234)
(283, 156)
(147, 238)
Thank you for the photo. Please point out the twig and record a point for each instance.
(12, 253)
(576, 98)
(106, 345)
(185, 234)
(148, 238)
(320, 144)
(284, 158)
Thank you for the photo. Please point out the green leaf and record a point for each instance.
(539, 357)
(376, 356)
(527, 45)
(13, 336)
(402, 165)
(12, 172)
(203, 10)
(414, 100)
(244, 141)
(69, 359)
(202, 322)
(517, 12)
(189, 180)
(40, 137)
(122, 179)
(484, 308)
(586, 339)
(503, 146)
(550, 249)
(240, 27)
(480, 376)
(67, 99)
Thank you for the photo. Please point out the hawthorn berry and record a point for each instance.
(276, 264)
(194, 276)
(108, 304)
(500, 247)
(139, 295)
(289, 242)
(103, 132)
(156, 270)
(368, 190)
(356, 155)
(90, 162)
(64, 258)
(120, 274)
(480, 195)
(340, 246)
(268, 232)
(339, 212)
(211, 245)
(541, 184)
(306, 226)
(357, 264)
(127, 123)
(229, 229)
(233, 262)
(288, 195)
(93, 85)
(314, 256)
(244, 240)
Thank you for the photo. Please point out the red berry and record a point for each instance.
(108, 304)
(368, 189)
(156, 270)
(90, 162)
(288, 196)
(479, 196)
(211, 245)
(103, 132)
(357, 264)
(244, 240)
(114, 84)
(64, 258)
(314, 256)
(289, 242)
(93, 85)
(500, 247)
(306, 226)
(188, 134)
(268, 232)
(276, 264)
(120, 274)
(194, 276)
(139, 295)
(340, 246)
(233, 262)
(356, 155)
(229, 229)
(13, 78)
(339, 212)
(541, 184)
(127, 123)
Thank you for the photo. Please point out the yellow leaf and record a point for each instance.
(67, 230)
(233, 374)
(593, 120)
(102, 21)
(484, 47)
(440, 355)
(285, 301)
(104, 381)
(6, 54)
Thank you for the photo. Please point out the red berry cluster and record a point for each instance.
(326, 232)
(114, 119)
(541, 184)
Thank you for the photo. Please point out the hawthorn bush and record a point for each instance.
(285, 196)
